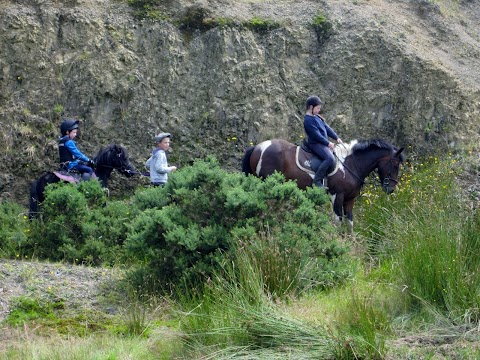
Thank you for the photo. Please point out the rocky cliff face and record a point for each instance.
(223, 74)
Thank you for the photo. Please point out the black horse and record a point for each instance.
(111, 157)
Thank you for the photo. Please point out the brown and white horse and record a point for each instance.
(355, 161)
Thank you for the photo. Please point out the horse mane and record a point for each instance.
(105, 153)
(363, 145)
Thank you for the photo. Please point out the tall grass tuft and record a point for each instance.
(231, 316)
(362, 324)
(282, 268)
(432, 240)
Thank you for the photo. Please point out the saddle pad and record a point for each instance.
(303, 159)
(67, 177)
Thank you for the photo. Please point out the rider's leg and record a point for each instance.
(324, 153)
(85, 171)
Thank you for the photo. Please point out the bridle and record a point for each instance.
(123, 169)
(386, 180)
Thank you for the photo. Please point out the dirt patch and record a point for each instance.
(79, 287)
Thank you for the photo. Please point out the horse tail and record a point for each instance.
(246, 168)
(34, 200)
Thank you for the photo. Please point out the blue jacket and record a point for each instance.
(69, 152)
(317, 130)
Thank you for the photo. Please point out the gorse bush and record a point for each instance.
(181, 233)
(209, 211)
(57, 233)
(78, 225)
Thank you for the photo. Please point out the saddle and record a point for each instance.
(307, 161)
(71, 176)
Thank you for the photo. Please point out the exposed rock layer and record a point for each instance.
(406, 71)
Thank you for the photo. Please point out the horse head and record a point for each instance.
(389, 168)
(115, 157)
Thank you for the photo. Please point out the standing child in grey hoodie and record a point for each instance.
(157, 163)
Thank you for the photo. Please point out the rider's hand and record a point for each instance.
(173, 168)
(339, 141)
(331, 145)
(91, 163)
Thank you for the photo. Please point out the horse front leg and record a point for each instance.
(337, 202)
(348, 211)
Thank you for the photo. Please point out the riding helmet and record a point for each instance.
(68, 125)
(313, 101)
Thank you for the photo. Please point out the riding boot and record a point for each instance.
(319, 179)
(86, 176)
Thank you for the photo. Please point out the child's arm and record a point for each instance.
(161, 164)
(70, 145)
(331, 132)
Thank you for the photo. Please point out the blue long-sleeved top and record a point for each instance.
(317, 130)
(75, 154)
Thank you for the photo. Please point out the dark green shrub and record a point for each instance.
(323, 27)
(78, 225)
(105, 230)
(261, 25)
(13, 230)
(57, 233)
(147, 9)
(208, 211)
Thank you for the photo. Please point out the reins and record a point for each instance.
(384, 184)
(123, 169)
(346, 167)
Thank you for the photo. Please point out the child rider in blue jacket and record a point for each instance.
(70, 156)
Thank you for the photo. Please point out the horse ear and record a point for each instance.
(119, 150)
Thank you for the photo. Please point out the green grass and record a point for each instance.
(98, 346)
(415, 279)
(232, 316)
(430, 237)
(261, 25)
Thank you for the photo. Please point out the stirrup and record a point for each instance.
(322, 184)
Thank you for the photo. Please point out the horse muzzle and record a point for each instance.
(388, 189)
(389, 185)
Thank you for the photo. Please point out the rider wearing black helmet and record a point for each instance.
(318, 133)
(70, 156)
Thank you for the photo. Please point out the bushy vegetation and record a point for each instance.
(79, 226)
(147, 9)
(183, 232)
(204, 213)
(261, 25)
(323, 27)
(14, 229)
(241, 258)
